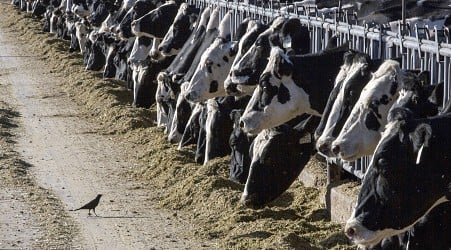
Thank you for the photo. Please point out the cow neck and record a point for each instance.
(315, 74)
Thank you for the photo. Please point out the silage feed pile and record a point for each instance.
(297, 220)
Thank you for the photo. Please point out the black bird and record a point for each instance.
(90, 205)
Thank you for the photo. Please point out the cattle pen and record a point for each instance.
(152, 172)
(414, 45)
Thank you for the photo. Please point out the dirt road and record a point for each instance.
(69, 159)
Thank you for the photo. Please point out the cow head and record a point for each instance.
(218, 127)
(254, 28)
(100, 13)
(191, 131)
(213, 67)
(164, 96)
(181, 116)
(135, 10)
(420, 101)
(353, 76)
(207, 81)
(239, 144)
(156, 23)
(362, 129)
(81, 32)
(290, 86)
(276, 99)
(80, 8)
(245, 73)
(407, 177)
(277, 159)
(287, 34)
(180, 30)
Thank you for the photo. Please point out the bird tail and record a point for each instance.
(74, 209)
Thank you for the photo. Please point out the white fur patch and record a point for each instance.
(419, 155)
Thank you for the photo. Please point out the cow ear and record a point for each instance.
(375, 63)
(282, 67)
(399, 114)
(274, 40)
(233, 49)
(424, 77)
(420, 136)
(364, 69)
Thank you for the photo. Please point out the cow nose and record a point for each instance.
(231, 88)
(350, 232)
(336, 149)
(241, 124)
(188, 96)
(133, 23)
(323, 148)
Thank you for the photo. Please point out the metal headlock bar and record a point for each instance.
(414, 45)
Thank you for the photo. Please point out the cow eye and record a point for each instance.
(382, 162)
(208, 63)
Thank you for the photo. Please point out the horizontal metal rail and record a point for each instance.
(412, 44)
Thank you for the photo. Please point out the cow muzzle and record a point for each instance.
(360, 235)
(251, 201)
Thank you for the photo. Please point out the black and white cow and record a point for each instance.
(278, 157)
(291, 86)
(240, 143)
(254, 29)
(201, 140)
(81, 32)
(431, 232)
(81, 8)
(94, 55)
(408, 176)
(100, 12)
(181, 116)
(362, 129)
(167, 89)
(145, 85)
(39, 8)
(179, 74)
(192, 128)
(214, 65)
(218, 126)
(150, 29)
(180, 30)
(287, 34)
(156, 23)
(133, 10)
(354, 75)
(120, 60)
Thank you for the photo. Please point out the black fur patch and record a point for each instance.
(384, 100)
(393, 88)
(371, 121)
(225, 58)
(284, 95)
(213, 86)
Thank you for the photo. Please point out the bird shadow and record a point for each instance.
(120, 217)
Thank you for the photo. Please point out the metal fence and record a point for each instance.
(417, 48)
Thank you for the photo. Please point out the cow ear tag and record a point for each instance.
(419, 155)
(287, 42)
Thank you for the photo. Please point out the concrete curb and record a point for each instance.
(339, 197)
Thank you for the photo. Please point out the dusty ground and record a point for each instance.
(66, 134)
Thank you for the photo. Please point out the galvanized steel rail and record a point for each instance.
(413, 44)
